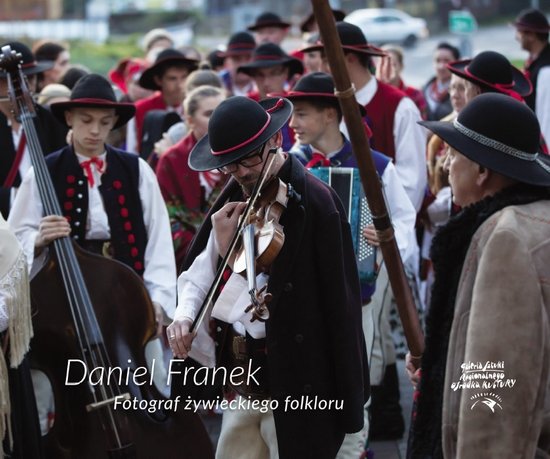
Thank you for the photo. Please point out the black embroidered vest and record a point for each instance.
(120, 192)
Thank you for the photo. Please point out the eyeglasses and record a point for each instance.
(251, 160)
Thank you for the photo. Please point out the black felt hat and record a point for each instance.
(268, 20)
(165, 58)
(491, 70)
(237, 127)
(500, 133)
(306, 24)
(29, 65)
(352, 39)
(316, 85)
(270, 55)
(532, 20)
(94, 91)
(239, 43)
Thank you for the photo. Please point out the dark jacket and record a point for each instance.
(315, 343)
(51, 135)
(532, 71)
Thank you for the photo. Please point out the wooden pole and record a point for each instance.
(369, 179)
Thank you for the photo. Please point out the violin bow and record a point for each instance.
(369, 179)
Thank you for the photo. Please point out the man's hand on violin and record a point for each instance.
(224, 224)
(51, 228)
(179, 338)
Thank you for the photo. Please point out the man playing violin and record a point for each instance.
(111, 200)
(310, 346)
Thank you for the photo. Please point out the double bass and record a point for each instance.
(96, 311)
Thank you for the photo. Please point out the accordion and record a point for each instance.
(347, 184)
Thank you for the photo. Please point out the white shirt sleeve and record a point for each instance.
(25, 215)
(193, 285)
(410, 151)
(543, 101)
(402, 212)
(160, 263)
(131, 136)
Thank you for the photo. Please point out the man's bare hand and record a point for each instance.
(224, 224)
(51, 227)
(179, 337)
(413, 369)
(370, 235)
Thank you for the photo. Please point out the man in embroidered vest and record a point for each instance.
(167, 78)
(316, 121)
(486, 364)
(312, 346)
(111, 199)
(532, 30)
(15, 159)
(392, 117)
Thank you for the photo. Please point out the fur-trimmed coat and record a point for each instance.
(489, 311)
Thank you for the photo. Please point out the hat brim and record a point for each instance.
(522, 26)
(521, 84)
(366, 49)
(201, 157)
(279, 24)
(39, 67)
(124, 111)
(297, 95)
(147, 79)
(530, 172)
(295, 66)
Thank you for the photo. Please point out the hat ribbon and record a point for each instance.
(505, 88)
(488, 142)
(246, 142)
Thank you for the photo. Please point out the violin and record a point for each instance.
(96, 311)
(257, 241)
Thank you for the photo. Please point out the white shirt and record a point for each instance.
(542, 103)
(410, 143)
(160, 267)
(25, 163)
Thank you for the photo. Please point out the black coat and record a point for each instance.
(51, 134)
(314, 336)
(532, 70)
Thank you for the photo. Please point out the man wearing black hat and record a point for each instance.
(532, 31)
(271, 69)
(485, 375)
(111, 199)
(238, 52)
(167, 77)
(311, 347)
(269, 28)
(392, 117)
(320, 143)
(15, 159)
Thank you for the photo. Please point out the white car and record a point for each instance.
(385, 25)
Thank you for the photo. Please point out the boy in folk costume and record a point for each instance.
(316, 122)
(110, 198)
(167, 78)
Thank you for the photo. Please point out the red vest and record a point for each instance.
(380, 117)
(154, 102)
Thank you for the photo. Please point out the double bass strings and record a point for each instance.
(72, 278)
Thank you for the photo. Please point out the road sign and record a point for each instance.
(462, 22)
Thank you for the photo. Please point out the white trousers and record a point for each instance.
(247, 434)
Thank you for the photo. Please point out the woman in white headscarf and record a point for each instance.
(18, 419)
